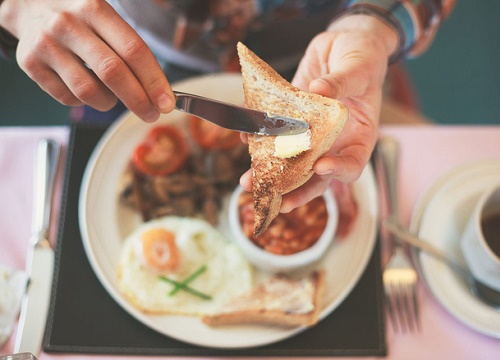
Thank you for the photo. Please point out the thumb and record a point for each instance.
(348, 78)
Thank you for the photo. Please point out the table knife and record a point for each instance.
(40, 256)
(238, 118)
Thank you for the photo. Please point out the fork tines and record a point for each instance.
(401, 299)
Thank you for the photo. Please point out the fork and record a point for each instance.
(399, 276)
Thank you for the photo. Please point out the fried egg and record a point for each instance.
(170, 250)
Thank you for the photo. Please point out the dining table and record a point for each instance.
(427, 152)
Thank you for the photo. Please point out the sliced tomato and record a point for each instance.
(163, 151)
(211, 137)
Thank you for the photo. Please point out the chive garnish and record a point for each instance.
(184, 285)
(186, 281)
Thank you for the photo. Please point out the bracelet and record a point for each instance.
(8, 42)
(415, 21)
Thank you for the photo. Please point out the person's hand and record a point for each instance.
(348, 63)
(83, 52)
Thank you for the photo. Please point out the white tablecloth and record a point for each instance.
(427, 152)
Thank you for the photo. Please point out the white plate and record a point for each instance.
(440, 217)
(104, 224)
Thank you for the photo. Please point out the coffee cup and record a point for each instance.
(480, 241)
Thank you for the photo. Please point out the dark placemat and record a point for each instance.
(83, 318)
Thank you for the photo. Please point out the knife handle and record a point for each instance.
(388, 153)
(47, 158)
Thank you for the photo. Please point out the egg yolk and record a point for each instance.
(160, 250)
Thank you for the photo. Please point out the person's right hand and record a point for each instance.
(83, 52)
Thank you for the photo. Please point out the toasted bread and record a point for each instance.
(278, 300)
(273, 176)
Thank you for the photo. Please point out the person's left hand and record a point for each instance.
(348, 63)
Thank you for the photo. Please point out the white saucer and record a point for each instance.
(440, 217)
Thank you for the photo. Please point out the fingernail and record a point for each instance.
(151, 116)
(285, 207)
(164, 102)
(325, 172)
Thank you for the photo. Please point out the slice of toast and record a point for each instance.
(273, 176)
(278, 300)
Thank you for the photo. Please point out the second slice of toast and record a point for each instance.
(278, 300)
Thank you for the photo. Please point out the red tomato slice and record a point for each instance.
(212, 137)
(163, 152)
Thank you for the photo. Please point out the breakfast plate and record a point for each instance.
(440, 217)
(105, 223)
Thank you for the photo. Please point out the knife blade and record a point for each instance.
(238, 118)
(40, 256)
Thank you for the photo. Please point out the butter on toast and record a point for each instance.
(278, 300)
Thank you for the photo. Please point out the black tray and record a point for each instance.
(83, 318)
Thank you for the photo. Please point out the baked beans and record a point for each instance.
(288, 233)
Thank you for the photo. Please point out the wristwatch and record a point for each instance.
(416, 22)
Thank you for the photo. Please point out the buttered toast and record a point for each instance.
(278, 300)
(274, 175)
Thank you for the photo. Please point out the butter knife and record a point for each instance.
(40, 257)
(238, 118)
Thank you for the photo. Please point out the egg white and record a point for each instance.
(228, 272)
